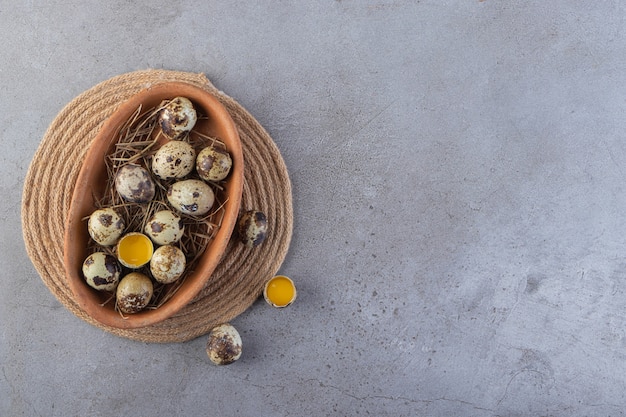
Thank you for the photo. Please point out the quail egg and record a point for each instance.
(165, 227)
(134, 184)
(213, 164)
(167, 264)
(134, 250)
(193, 197)
(175, 159)
(280, 291)
(134, 292)
(105, 226)
(224, 345)
(252, 228)
(102, 271)
(177, 117)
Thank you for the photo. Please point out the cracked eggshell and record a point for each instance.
(167, 264)
(134, 292)
(105, 226)
(252, 228)
(177, 117)
(175, 159)
(134, 184)
(224, 345)
(165, 227)
(213, 164)
(193, 197)
(102, 271)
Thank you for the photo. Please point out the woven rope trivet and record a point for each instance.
(238, 280)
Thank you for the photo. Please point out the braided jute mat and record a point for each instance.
(239, 278)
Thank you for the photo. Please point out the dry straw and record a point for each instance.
(239, 278)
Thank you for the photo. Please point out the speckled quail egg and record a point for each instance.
(134, 184)
(134, 292)
(105, 226)
(167, 264)
(102, 271)
(252, 228)
(165, 227)
(193, 197)
(175, 159)
(213, 164)
(224, 345)
(177, 117)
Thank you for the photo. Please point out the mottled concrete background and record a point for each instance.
(458, 177)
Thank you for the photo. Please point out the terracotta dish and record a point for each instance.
(90, 186)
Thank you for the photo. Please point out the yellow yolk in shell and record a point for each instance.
(134, 250)
(280, 291)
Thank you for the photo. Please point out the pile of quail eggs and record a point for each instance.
(170, 166)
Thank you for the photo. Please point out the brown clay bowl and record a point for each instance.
(91, 184)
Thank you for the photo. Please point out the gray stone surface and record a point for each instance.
(458, 182)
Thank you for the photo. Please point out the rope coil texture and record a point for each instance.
(239, 278)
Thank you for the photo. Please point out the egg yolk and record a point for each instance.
(135, 250)
(280, 291)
